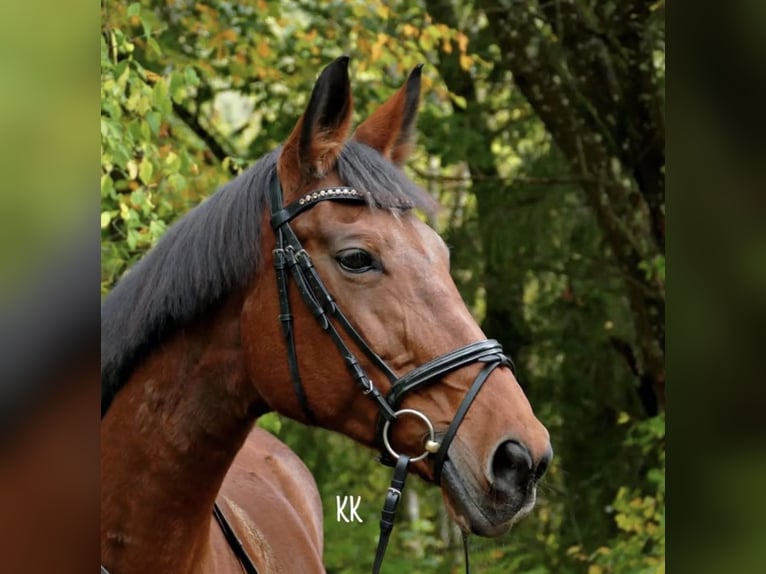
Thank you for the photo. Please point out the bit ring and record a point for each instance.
(429, 447)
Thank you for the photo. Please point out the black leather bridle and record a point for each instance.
(292, 260)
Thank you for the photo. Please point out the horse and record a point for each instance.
(307, 286)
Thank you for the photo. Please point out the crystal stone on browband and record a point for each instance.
(331, 192)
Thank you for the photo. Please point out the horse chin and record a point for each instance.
(477, 511)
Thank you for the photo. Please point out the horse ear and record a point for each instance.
(317, 139)
(391, 128)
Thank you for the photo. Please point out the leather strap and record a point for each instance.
(286, 321)
(284, 215)
(234, 541)
(465, 553)
(440, 366)
(478, 351)
(393, 497)
(441, 454)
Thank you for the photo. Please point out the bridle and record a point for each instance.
(292, 260)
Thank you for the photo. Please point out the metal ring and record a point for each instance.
(422, 417)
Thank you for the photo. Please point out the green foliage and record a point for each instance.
(145, 173)
(639, 513)
(193, 92)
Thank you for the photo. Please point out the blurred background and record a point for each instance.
(542, 134)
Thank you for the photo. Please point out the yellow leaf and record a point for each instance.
(595, 569)
(263, 49)
(408, 30)
(383, 11)
(622, 418)
(462, 42)
(377, 48)
(465, 61)
(132, 169)
(152, 77)
(459, 101)
(447, 46)
(602, 551)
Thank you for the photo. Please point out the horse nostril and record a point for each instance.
(545, 462)
(511, 466)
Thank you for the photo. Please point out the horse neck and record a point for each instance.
(167, 441)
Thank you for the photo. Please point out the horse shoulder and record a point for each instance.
(273, 502)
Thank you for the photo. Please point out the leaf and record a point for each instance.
(270, 422)
(177, 182)
(138, 197)
(154, 46)
(462, 42)
(172, 162)
(459, 101)
(160, 97)
(132, 238)
(154, 121)
(622, 418)
(134, 9)
(107, 186)
(132, 169)
(146, 171)
(157, 228)
(409, 30)
(106, 219)
(191, 77)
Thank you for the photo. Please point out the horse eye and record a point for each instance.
(355, 261)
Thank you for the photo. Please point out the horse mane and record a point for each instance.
(212, 251)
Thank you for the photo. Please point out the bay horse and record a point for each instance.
(305, 286)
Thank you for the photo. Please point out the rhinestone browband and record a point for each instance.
(330, 192)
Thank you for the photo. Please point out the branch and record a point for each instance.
(647, 393)
(563, 180)
(212, 143)
(215, 147)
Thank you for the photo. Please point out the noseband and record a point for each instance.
(290, 257)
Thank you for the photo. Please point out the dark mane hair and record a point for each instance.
(213, 250)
